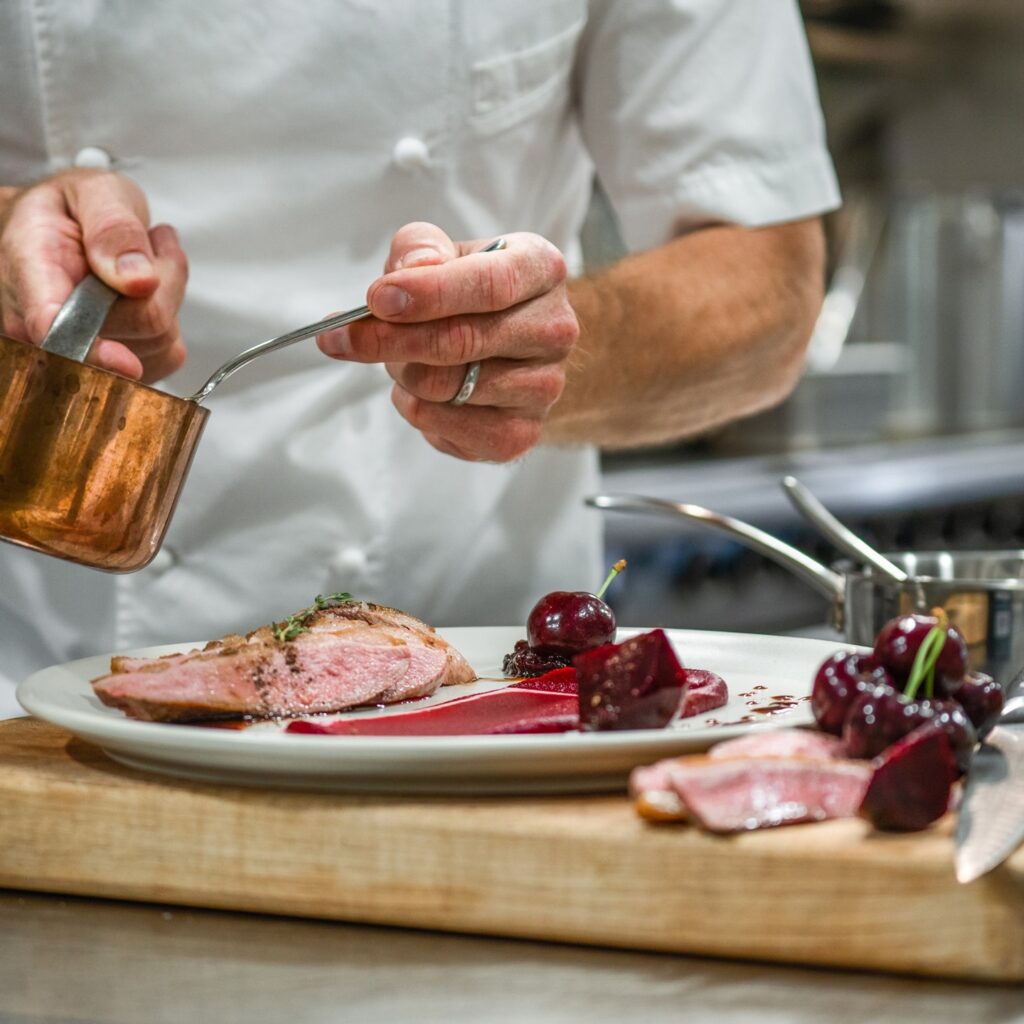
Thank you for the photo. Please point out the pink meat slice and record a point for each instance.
(354, 653)
(809, 743)
(743, 793)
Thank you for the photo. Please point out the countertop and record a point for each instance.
(65, 960)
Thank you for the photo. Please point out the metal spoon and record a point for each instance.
(311, 330)
(843, 538)
(78, 324)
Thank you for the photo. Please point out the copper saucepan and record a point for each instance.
(982, 592)
(91, 463)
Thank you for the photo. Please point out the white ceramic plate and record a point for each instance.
(758, 669)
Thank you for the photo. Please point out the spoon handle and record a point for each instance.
(299, 334)
(281, 341)
(844, 539)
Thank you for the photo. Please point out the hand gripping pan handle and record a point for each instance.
(78, 322)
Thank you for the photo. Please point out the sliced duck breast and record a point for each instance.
(343, 654)
(743, 793)
(810, 743)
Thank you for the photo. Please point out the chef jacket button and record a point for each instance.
(163, 560)
(411, 153)
(93, 156)
(350, 559)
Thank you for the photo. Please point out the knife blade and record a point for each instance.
(990, 825)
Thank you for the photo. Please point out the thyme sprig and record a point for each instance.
(295, 624)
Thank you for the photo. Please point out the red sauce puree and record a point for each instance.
(544, 704)
(518, 708)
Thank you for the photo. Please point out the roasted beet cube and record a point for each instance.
(638, 684)
(911, 783)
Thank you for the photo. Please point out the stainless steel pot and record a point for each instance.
(982, 592)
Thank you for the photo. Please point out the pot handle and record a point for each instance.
(843, 538)
(827, 582)
(78, 321)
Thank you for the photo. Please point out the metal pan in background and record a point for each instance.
(982, 592)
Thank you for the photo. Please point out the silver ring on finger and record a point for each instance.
(468, 385)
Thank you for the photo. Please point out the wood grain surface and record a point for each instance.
(570, 869)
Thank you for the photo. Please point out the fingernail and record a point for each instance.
(335, 343)
(389, 300)
(419, 257)
(134, 264)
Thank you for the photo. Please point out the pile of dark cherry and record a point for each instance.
(914, 706)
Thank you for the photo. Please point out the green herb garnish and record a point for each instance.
(923, 669)
(294, 625)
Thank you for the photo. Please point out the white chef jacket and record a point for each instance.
(287, 142)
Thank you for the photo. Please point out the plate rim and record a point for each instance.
(111, 730)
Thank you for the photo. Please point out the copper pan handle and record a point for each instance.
(78, 322)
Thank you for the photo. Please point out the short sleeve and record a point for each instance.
(699, 111)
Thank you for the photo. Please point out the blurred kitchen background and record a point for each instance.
(909, 421)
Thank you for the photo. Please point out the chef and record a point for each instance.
(278, 156)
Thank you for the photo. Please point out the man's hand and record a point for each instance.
(442, 305)
(54, 232)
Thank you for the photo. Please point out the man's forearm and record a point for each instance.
(7, 194)
(708, 328)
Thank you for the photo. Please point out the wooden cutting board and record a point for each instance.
(572, 869)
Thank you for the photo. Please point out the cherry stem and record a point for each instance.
(616, 569)
(924, 663)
